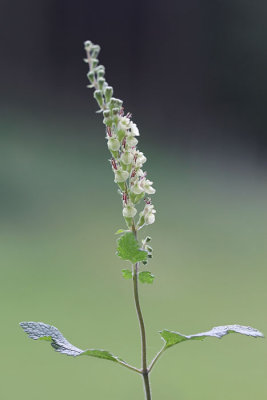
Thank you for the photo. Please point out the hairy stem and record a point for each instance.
(145, 371)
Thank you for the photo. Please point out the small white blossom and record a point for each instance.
(131, 141)
(113, 144)
(129, 211)
(150, 219)
(140, 159)
(134, 130)
(140, 172)
(121, 176)
(127, 157)
(136, 188)
(124, 124)
(147, 186)
(149, 214)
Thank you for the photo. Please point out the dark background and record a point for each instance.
(194, 71)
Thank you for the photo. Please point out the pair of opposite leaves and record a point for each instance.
(39, 330)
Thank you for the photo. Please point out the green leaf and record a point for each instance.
(41, 331)
(127, 274)
(172, 338)
(105, 355)
(146, 277)
(128, 249)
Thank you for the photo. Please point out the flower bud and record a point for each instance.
(108, 93)
(106, 113)
(100, 71)
(115, 102)
(101, 82)
(113, 144)
(91, 76)
(94, 62)
(98, 97)
(87, 45)
(115, 111)
(95, 49)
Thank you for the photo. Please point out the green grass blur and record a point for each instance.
(59, 213)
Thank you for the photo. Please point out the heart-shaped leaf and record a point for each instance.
(146, 277)
(129, 249)
(127, 274)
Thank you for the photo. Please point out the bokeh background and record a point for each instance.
(193, 73)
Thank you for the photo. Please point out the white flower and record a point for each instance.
(149, 214)
(149, 219)
(124, 123)
(127, 157)
(147, 186)
(134, 129)
(129, 211)
(113, 144)
(136, 187)
(131, 141)
(140, 172)
(140, 159)
(121, 176)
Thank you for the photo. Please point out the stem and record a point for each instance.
(125, 364)
(145, 371)
(157, 356)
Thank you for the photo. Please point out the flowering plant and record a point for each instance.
(134, 188)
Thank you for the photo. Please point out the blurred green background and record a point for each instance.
(193, 74)
(59, 212)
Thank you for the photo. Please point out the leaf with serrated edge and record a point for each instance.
(172, 338)
(128, 249)
(146, 277)
(127, 274)
(39, 330)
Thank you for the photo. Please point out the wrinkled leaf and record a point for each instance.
(146, 277)
(127, 274)
(39, 330)
(172, 338)
(128, 249)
